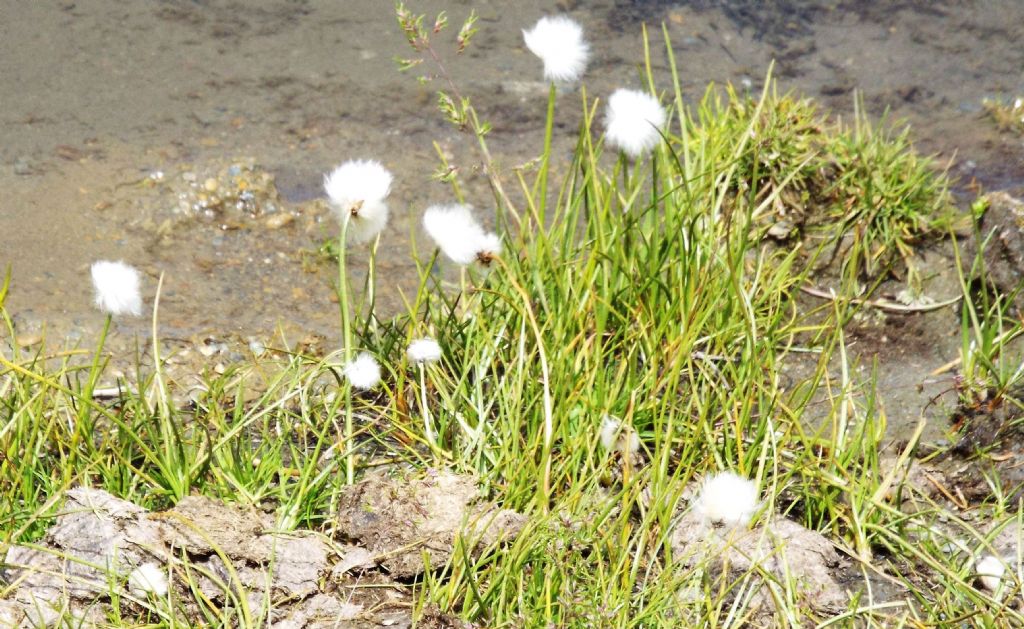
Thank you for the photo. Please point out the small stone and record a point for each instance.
(22, 166)
(28, 339)
(210, 185)
(278, 221)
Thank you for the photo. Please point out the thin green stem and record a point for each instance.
(545, 165)
(344, 302)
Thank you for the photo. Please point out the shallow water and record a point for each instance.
(112, 111)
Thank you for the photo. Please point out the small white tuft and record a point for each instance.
(458, 235)
(727, 499)
(634, 120)
(148, 578)
(363, 372)
(559, 43)
(990, 572)
(117, 288)
(615, 434)
(425, 350)
(357, 190)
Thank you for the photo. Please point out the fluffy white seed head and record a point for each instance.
(614, 434)
(425, 350)
(363, 372)
(117, 288)
(148, 578)
(357, 191)
(990, 572)
(727, 499)
(458, 235)
(634, 120)
(559, 43)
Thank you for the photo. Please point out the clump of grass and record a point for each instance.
(1008, 116)
(884, 194)
(859, 187)
(991, 368)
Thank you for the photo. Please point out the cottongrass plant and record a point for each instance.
(558, 41)
(634, 121)
(459, 236)
(727, 499)
(117, 293)
(146, 579)
(615, 436)
(422, 352)
(117, 288)
(357, 191)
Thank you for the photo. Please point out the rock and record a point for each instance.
(23, 166)
(228, 551)
(403, 520)
(320, 611)
(526, 89)
(352, 558)
(779, 547)
(279, 220)
(10, 614)
(203, 526)
(1004, 256)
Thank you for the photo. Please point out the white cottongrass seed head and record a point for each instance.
(357, 191)
(990, 572)
(459, 236)
(558, 41)
(425, 350)
(727, 499)
(614, 434)
(633, 121)
(363, 372)
(148, 578)
(117, 288)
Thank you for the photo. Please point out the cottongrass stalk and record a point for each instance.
(117, 291)
(558, 42)
(357, 191)
(174, 462)
(423, 352)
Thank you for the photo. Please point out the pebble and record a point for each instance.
(28, 339)
(279, 220)
(525, 88)
(22, 166)
(210, 185)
